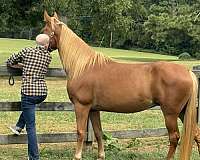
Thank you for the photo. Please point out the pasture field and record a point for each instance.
(8, 46)
(51, 122)
(144, 149)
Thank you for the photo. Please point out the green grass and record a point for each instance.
(50, 122)
(145, 149)
(64, 152)
(9, 46)
(134, 55)
(12, 93)
(65, 121)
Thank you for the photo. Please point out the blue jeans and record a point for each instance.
(27, 117)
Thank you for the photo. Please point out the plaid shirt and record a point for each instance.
(35, 64)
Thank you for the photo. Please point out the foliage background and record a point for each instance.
(172, 27)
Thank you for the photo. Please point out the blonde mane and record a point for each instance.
(76, 55)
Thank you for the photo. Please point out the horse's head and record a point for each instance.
(52, 28)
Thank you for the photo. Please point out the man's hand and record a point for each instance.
(19, 66)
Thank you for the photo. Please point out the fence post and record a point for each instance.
(90, 134)
(196, 70)
(30, 33)
(198, 98)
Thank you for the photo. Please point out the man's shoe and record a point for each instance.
(16, 130)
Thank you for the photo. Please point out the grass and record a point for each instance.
(9, 46)
(144, 149)
(63, 151)
(12, 93)
(134, 55)
(50, 122)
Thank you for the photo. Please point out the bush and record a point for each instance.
(111, 143)
(184, 56)
(197, 55)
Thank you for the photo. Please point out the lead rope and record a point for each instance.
(11, 80)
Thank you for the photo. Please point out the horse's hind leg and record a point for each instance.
(96, 123)
(82, 112)
(172, 127)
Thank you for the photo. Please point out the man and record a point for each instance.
(34, 63)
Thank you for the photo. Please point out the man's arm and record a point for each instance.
(15, 59)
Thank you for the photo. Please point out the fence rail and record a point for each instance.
(67, 106)
(52, 72)
(72, 137)
(45, 106)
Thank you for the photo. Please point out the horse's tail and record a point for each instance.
(189, 122)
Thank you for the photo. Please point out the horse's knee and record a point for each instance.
(98, 137)
(81, 135)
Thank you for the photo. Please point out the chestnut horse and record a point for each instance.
(97, 83)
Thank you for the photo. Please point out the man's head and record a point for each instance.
(43, 40)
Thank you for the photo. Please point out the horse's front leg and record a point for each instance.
(81, 112)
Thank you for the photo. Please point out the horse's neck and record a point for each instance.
(75, 54)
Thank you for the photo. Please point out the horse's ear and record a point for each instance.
(47, 18)
(56, 16)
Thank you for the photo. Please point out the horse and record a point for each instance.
(98, 83)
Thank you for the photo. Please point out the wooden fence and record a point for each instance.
(67, 106)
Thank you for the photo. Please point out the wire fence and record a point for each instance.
(24, 33)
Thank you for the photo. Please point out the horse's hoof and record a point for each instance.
(101, 156)
(76, 158)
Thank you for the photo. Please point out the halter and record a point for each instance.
(52, 34)
(50, 38)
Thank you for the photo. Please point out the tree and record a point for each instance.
(110, 18)
(172, 27)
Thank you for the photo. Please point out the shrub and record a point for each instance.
(111, 143)
(197, 55)
(184, 56)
